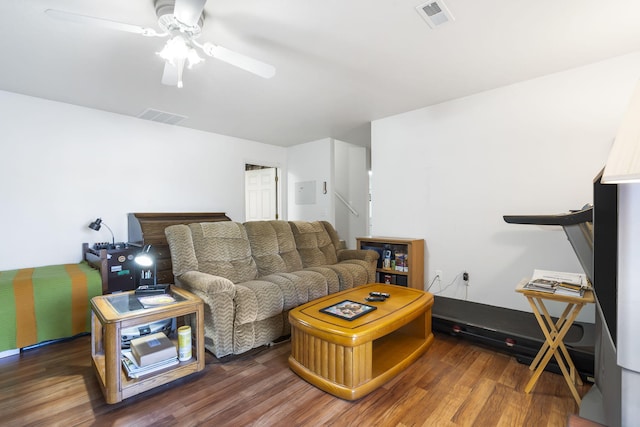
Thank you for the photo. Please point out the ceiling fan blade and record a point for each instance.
(188, 11)
(241, 61)
(100, 22)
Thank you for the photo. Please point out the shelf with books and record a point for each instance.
(401, 260)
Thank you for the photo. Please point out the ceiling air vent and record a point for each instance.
(161, 116)
(435, 13)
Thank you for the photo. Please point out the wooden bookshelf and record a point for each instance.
(414, 250)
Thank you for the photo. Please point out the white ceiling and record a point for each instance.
(340, 63)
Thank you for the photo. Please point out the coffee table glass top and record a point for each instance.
(126, 302)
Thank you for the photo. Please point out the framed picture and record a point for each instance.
(348, 310)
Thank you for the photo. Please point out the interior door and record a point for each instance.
(261, 195)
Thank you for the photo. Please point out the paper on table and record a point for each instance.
(557, 276)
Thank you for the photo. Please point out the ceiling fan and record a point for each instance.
(181, 21)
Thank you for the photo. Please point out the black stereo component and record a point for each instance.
(152, 289)
(110, 246)
(116, 263)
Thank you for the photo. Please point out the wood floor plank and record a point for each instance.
(475, 402)
(454, 384)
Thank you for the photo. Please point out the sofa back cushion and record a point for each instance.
(183, 255)
(222, 249)
(313, 243)
(333, 235)
(273, 247)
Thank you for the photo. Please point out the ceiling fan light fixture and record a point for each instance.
(176, 47)
(177, 51)
(193, 58)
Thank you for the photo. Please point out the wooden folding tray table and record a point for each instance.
(554, 333)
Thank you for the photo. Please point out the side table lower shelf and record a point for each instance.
(133, 386)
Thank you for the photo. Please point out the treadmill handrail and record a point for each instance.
(570, 218)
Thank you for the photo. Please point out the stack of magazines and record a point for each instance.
(554, 282)
(148, 354)
(134, 371)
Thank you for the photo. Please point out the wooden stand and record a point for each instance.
(107, 324)
(554, 333)
(414, 250)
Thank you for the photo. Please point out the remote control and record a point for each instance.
(379, 294)
(372, 299)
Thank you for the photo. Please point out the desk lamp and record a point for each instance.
(95, 225)
(145, 260)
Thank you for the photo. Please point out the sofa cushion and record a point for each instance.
(257, 300)
(350, 274)
(330, 275)
(313, 243)
(260, 332)
(273, 247)
(223, 249)
(299, 287)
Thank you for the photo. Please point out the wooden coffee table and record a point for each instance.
(351, 358)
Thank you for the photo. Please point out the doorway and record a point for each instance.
(262, 193)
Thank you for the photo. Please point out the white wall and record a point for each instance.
(351, 181)
(311, 162)
(448, 173)
(343, 167)
(62, 166)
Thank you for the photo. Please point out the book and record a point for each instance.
(571, 284)
(543, 283)
(561, 290)
(571, 279)
(401, 261)
(134, 371)
(534, 287)
(150, 349)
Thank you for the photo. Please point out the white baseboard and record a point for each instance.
(8, 353)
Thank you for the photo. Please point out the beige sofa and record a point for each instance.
(250, 275)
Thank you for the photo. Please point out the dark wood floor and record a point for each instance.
(454, 384)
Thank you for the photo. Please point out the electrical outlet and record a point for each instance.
(439, 274)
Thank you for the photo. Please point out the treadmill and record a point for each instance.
(517, 332)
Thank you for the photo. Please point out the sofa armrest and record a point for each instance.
(207, 284)
(364, 255)
(218, 295)
(367, 259)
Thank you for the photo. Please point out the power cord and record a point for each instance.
(431, 284)
(455, 279)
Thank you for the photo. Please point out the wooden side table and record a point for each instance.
(113, 313)
(554, 333)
